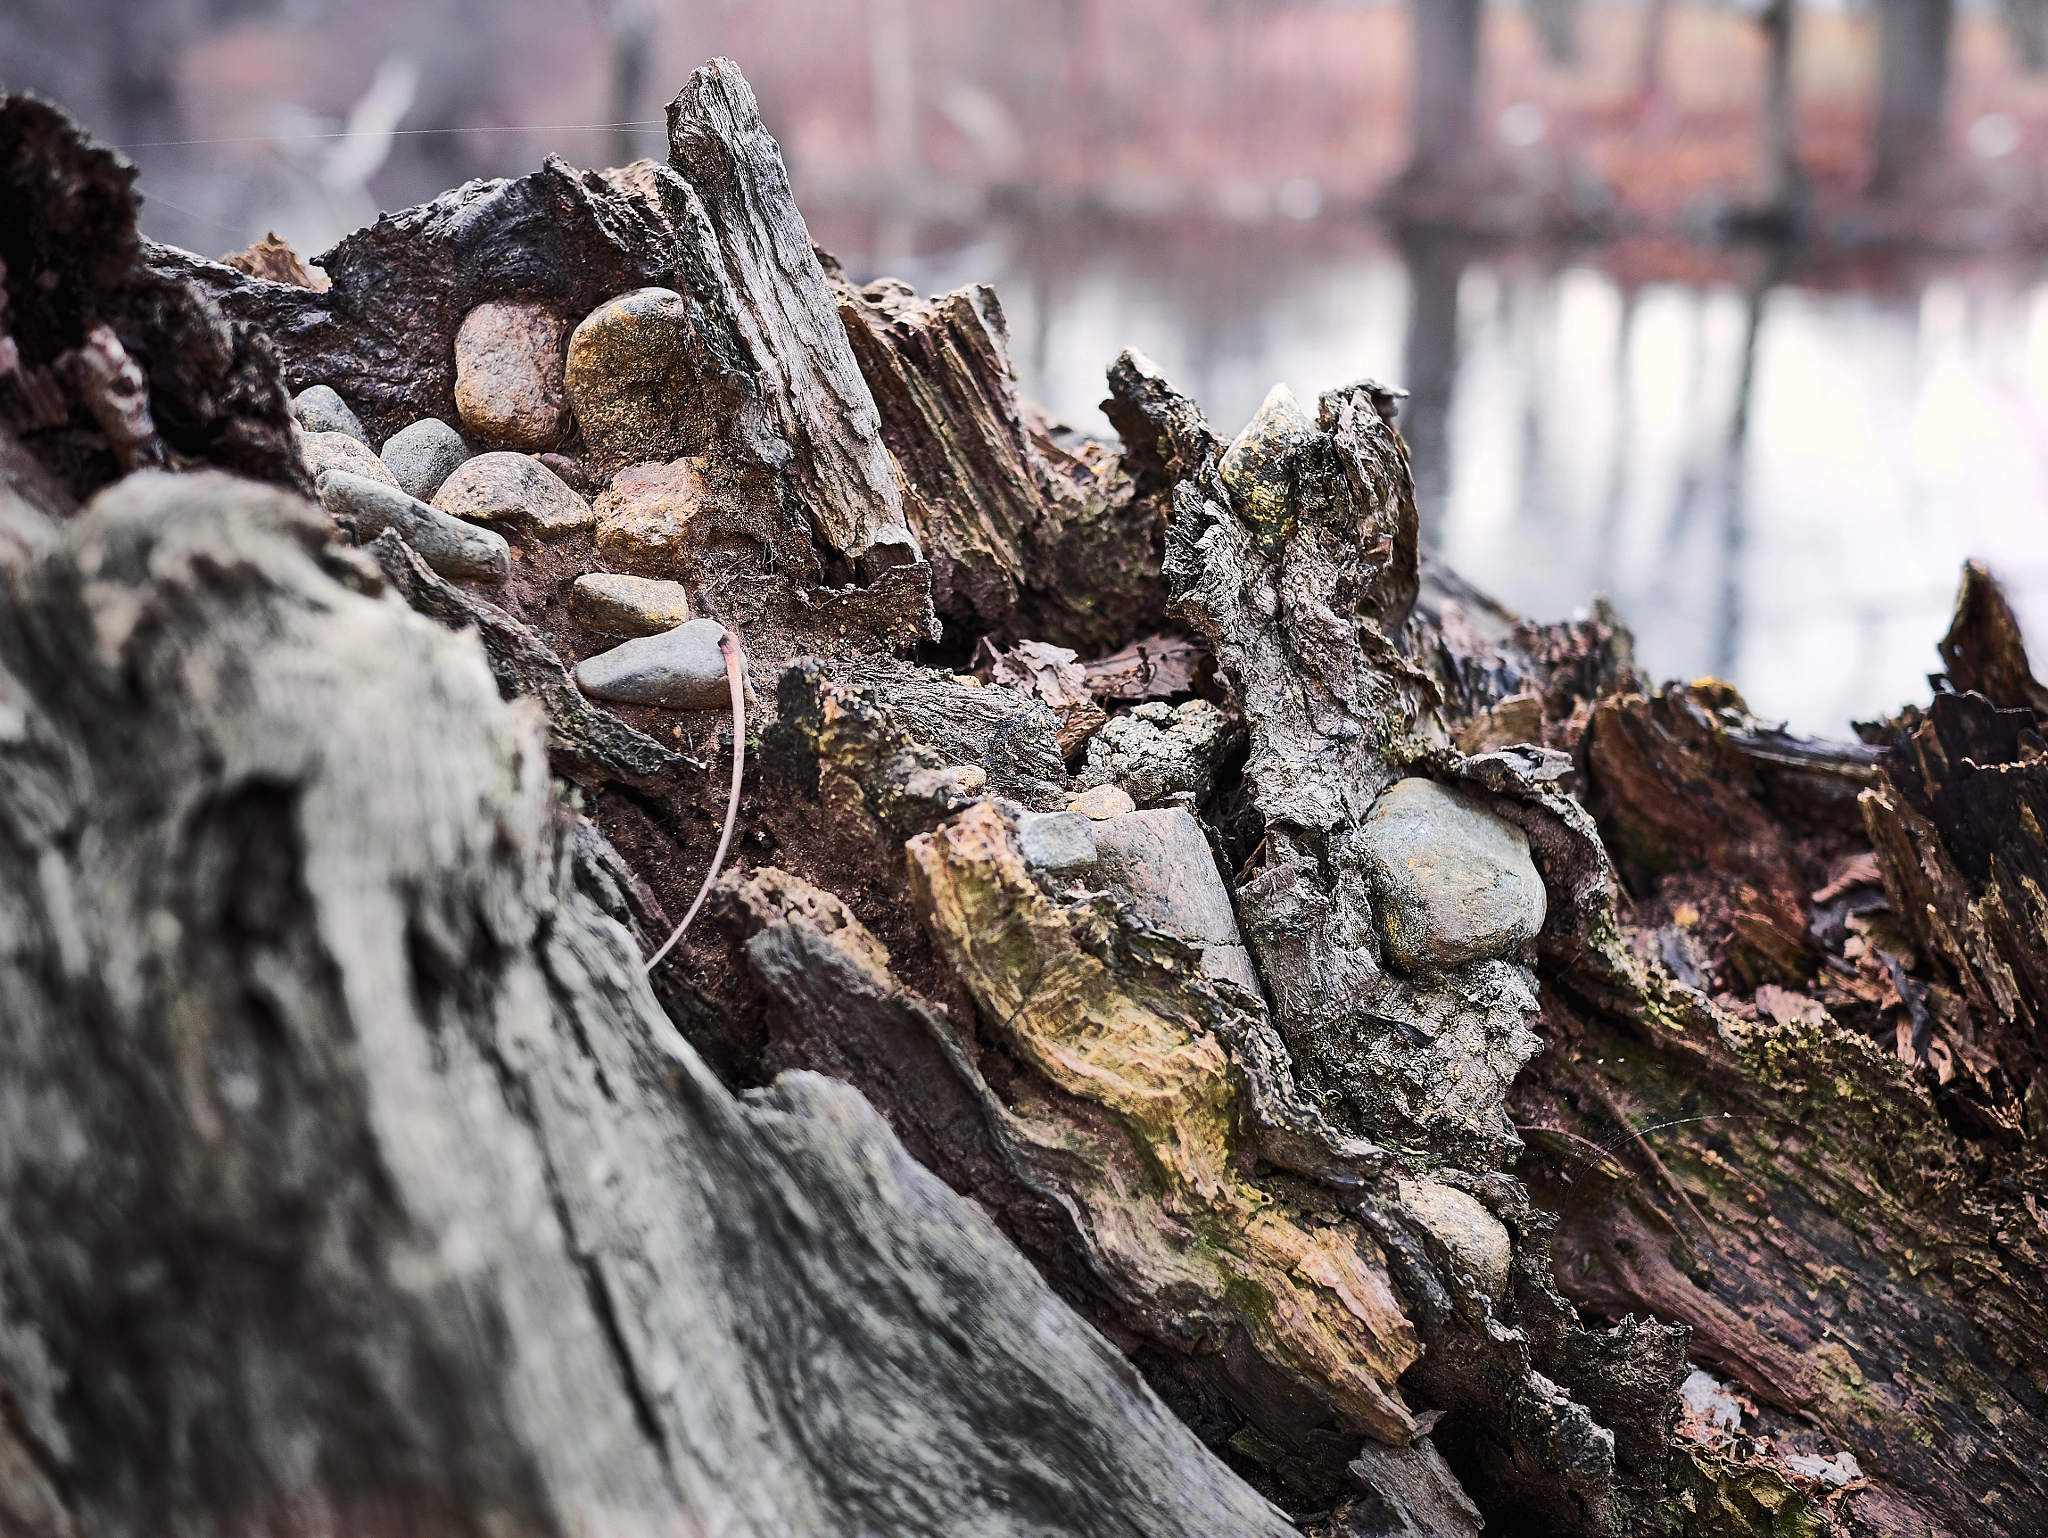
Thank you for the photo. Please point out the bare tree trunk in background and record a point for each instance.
(1557, 24)
(894, 76)
(1436, 265)
(1783, 183)
(1446, 89)
(893, 72)
(1650, 65)
(2023, 22)
(1912, 90)
(632, 34)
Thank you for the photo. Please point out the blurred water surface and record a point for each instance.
(1774, 476)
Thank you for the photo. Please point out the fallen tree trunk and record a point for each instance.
(1204, 1129)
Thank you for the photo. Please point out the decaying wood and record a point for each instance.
(348, 1150)
(90, 309)
(1029, 539)
(784, 318)
(353, 1178)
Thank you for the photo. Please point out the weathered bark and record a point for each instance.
(352, 1177)
(1781, 181)
(1028, 538)
(109, 361)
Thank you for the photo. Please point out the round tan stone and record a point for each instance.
(1102, 803)
(643, 521)
(617, 604)
(340, 451)
(503, 487)
(628, 370)
(508, 375)
(1474, 1236)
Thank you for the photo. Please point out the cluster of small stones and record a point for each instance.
(1451, 882)
(526, 383)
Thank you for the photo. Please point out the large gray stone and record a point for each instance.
(1453, 883)
(320, 410)
(1159, 863)
(424, 455)
(450, 546)
(1474, 1238)
(503, 487)
(682, 669)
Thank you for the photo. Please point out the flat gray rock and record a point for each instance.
(1058, 843)
(450, 546)
(424, 455)
(1157, 861)
(682, 669)
(320, 410)
(1453, 883)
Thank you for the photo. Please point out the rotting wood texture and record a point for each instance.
(1043, 1136)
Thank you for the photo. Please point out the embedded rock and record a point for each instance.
(321, 410)
(628, 371)
(502, 487)
(1159, 751)
(1453, 882)
(1102, 801)
(629, 606)
(1159, 862)
(681, 669)
(1472, 1238)
(508, 375)
(450, 546)
(1057, 843)
(424, 455)
(660, 520)
(326, 451)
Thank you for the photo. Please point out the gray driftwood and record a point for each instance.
(350, 1175)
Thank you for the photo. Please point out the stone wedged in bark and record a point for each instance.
(1296, 607)
(118, 362)
(1292, 610)
(384, 333)
(392, 1157)
(764, 383)
(1084, 1042)
(1029, 533)
(585, 743)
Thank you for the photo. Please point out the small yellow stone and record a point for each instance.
(1102, 803)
